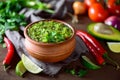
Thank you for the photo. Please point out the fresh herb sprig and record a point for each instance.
(9, 17)
(79, 73)
(35, 4)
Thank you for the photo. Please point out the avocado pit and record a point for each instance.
(103, 29)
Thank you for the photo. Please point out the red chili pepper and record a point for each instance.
(92, 40)
(92, 49)
(97, 46)
(10, 52)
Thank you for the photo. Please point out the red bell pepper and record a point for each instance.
(10, 53)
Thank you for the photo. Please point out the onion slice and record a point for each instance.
(113, 21)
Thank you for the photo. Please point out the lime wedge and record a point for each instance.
(89, 64)
(30, 66)
(114, 46)
(20, 68)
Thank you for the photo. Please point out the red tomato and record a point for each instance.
(89, 2)
(113, 7)
(97, 13)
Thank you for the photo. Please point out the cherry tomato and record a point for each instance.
(114, 7)
(89, 2)
(97, 13)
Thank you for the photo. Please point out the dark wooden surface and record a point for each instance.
(107, 72)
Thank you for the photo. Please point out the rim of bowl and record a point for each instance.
(42, 43)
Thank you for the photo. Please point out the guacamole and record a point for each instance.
(49, 32)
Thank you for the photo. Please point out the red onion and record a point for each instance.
(113, 21)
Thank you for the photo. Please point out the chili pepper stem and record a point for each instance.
(107, 57)
(6, 67)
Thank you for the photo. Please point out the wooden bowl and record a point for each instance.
(50, 52)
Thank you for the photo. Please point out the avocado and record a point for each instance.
(89, 64)
(103, 31)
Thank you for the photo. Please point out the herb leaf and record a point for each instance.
(9, 17)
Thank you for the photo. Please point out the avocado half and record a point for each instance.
(103, 31)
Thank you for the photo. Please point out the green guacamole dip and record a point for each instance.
(49, 32)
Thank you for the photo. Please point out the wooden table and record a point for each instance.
(105, 73)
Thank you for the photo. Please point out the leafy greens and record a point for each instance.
(9, 17)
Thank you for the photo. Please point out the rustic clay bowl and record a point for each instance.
(50, 52)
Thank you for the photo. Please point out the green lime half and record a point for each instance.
(114, 46)
(30, 66)
(89, 64)
(20, 68)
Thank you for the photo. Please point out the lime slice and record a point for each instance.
(89, 64)
(30, 66)
(114, 46)
(20, 68)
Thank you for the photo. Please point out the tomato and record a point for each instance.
(97, 13)
(89, 2)
(114, 7)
